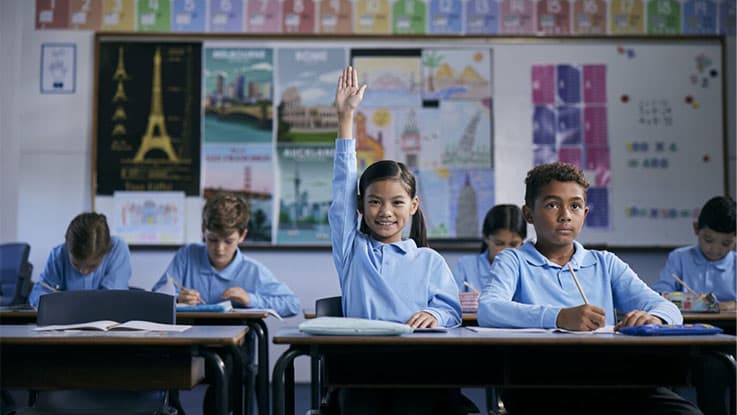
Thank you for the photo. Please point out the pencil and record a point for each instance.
(691, 290)
(181, 286)
(578, 284)
(467, 284)
(48, 287)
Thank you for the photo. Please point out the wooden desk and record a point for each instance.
(505, 360)
(258, 375)
(468, 319)
(117, 360)
(726, 320)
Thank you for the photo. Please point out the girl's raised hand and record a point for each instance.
(348, 94)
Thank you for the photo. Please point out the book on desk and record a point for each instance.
(110, 325)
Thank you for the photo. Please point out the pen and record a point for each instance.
(578, 284)
(180, 285)
(467, 284)
(48, 287)
(691, 290)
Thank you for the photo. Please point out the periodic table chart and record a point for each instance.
(642, 118)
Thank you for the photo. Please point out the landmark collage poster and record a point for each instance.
(305, 135)
(431, 109)
(237, 144)
(148, 117)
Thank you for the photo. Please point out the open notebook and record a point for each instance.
(109, 325)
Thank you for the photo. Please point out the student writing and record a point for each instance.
(89, 259)
(504, 227)
(534, 288)
(381, 275)
(215, 270)
(710, 265)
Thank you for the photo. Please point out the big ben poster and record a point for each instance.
(148, 117)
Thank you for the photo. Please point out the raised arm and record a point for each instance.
(342, 214)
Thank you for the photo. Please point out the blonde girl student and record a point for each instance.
(504, 227)
(383, 276)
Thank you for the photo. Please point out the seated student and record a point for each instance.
(382, 276)
(534, 288)
(89, 259)
(504, 227)
(217, 270)
(709, 266)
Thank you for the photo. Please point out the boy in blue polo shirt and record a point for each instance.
(708, 266)
(535, 287)
(217, 270)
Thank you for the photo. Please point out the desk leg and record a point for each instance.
(237, 380)
(216, 372)
(262, 375)
(315, 379)
(282, 382)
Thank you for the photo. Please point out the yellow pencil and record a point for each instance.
(675, 277)
(578, 284)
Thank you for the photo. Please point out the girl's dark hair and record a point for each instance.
(88, 236)
(393, 170)
(500, 217)
(718, 214)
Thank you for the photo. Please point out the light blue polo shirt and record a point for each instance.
(114, 272)
(476, 269)
(384, 281)
(191, 266)
(527, 290)
(702, 275)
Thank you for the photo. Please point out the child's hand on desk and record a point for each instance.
(187, 296)
(422, 319)
(237, 294)
(582, 318)
(637, 318)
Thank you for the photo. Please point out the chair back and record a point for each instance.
(329, 307)
(15, 273)
(71, 307)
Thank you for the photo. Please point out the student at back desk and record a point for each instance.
(89, 259)
(535, 287)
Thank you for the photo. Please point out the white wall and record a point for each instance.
(45, 146)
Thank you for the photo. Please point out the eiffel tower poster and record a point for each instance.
(155, 146)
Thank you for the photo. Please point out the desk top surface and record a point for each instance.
(464, 336)
(195, 335)
(238, 314)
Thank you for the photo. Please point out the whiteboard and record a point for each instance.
(664, 129)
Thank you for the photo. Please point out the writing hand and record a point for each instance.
(188, 296)
(585, 317)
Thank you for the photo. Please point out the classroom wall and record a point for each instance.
(45, 158)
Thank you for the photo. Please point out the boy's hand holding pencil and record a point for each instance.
(469, 299)
(186, 296)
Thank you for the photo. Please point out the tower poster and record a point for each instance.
(148, 117)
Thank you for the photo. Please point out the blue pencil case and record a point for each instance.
(671, 330)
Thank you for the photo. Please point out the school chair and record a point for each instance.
(15, 273)
(69, 307)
